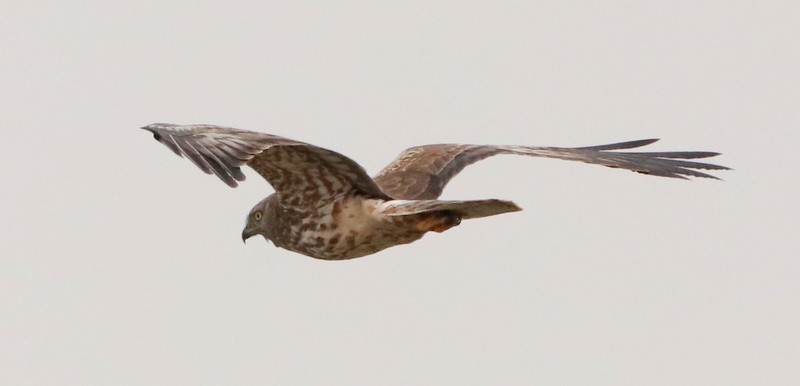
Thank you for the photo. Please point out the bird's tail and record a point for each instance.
(464, 209)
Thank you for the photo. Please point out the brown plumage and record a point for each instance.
(327, 207)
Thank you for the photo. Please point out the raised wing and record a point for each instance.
(295, 169)
(421, 173)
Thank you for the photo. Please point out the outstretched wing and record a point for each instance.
(295, 169)
(422, 172)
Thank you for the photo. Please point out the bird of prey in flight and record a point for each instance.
(326, 206)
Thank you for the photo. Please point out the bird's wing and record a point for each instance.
(421, 173)
(297, 170)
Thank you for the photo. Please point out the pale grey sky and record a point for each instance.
(122, 264)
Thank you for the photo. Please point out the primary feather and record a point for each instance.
(327, 207)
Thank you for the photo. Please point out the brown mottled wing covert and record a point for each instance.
(293, 168)
(421, 173)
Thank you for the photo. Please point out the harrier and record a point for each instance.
(326, 206)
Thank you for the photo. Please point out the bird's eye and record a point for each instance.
(257, 216)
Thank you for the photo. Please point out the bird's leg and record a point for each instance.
(438, 222)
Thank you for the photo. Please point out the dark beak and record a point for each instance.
(246, 234)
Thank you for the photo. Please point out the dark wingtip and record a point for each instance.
(621, 145)
(704, 154)
(647, 141)
(639, 143)
(152, 129)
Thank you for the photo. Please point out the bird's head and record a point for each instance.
(256, 223)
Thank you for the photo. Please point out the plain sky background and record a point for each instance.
(122, 264)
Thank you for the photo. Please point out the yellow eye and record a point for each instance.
(257, 216)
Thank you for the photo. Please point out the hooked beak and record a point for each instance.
(246, 234)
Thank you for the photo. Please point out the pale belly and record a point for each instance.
(352, 228)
